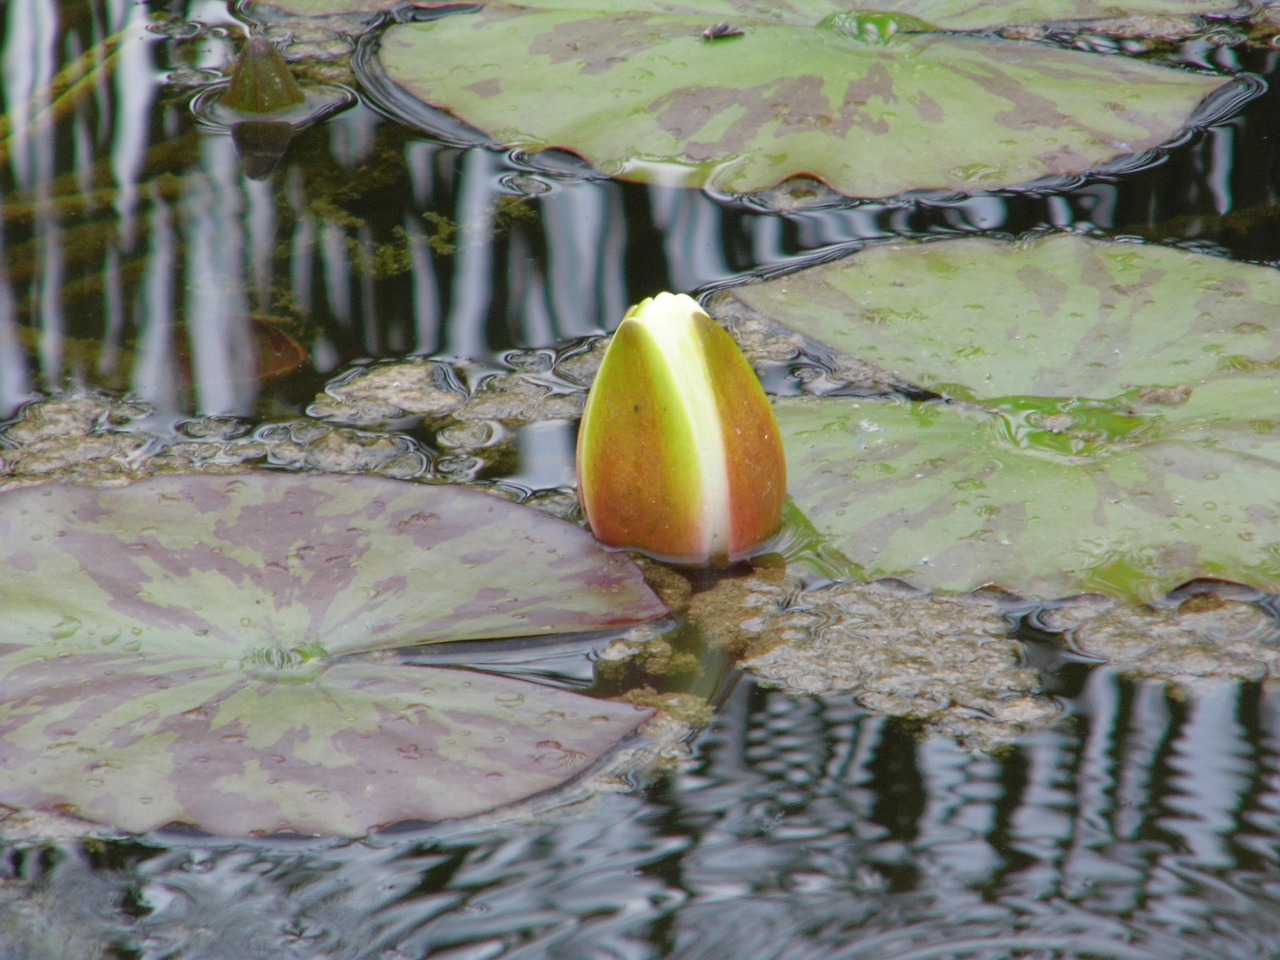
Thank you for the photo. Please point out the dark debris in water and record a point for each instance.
(72, 439)
(519, 398)
(1212, 630)
(389, 391)
(946, 662)
(436, 390)
(94, 439)
(535, 386)
(951, 663)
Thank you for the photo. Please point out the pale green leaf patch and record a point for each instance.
(949, 498)
(949, 14)
(171, 652)
(871, 107)
(1061, 316)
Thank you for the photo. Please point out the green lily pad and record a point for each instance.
(977, 15)
(808, 89)
(1063, 316)
(949, 14)
(170, 652)
(950, 498)
(1119, 432)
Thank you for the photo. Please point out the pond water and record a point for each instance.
(140, 261)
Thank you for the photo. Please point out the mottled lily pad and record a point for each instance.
(1063, 316)
(171, 652)
(1118, 431)
(948, 14)
(950, 498)
(858, 101)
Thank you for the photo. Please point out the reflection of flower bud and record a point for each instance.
(679, 455)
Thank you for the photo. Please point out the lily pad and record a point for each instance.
(1119, 430)
(1063, 316)
(170, 652)
(948, 14)
(866, 105)
(949, 499)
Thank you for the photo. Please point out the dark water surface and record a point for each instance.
(139, 259)
(1144, 829)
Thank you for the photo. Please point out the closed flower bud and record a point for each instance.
(679, 454)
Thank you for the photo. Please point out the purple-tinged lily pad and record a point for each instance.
(170, 652)
(872, 104)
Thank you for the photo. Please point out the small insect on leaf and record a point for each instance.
(721, 31)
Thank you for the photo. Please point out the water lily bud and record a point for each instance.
(261, 82)
(679, 454)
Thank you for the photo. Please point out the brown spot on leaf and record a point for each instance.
(490, 87)
(600, 43)
(1165, 396)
